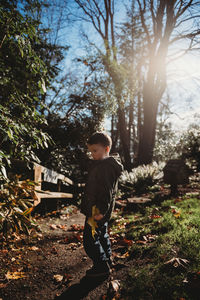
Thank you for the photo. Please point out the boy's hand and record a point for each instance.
(98, 217)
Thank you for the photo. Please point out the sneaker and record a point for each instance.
(100, 270)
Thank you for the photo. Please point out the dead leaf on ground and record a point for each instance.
(53, 226)
(63, 227)
(15, 275)
(141, 242)
(34, 248)
(4, 251)
(125, 242)
(125, 255)
(150, 237)
(114, 285)
(76, 227)
(177, 262)
(177, 215)
(177, 200)
(3, 285)
(73, 239)
(155, 216)
(58, 277)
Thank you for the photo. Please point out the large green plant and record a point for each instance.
(23, 80)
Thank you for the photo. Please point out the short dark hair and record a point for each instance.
(100, 138)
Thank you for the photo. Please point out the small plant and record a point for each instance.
(16, 205)
(140, 179)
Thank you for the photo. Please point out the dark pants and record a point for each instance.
(98, 248)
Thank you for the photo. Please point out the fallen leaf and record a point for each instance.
(115, 285)
(3, 285)
(53, 226)
(155, 216)
(58, 278)
(176, 262)
(177, 200)
(125, 242)
(177, 215)
(76, 227)
(150, 237)
(63, 227)
(125, 255)
(4, 251)
(15, 275)
(141, 242)
(34, 248)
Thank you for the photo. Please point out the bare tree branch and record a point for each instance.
(184, 8)
(142, 17)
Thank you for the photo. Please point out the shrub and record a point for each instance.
(16, 205)
(190, 144)
(140, 179)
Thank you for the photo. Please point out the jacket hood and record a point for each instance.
(115, 164)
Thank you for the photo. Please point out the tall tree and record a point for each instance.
(164, 23)
(101, 15)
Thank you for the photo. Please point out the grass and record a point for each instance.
(160, 234)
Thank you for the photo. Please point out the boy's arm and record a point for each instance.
(105, 180)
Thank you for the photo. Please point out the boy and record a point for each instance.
(98, 203)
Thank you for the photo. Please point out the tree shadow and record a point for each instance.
(79, 290)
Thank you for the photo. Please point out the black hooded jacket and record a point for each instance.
(101, 187)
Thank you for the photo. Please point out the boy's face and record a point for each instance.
(98, 151)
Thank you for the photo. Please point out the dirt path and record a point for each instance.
(56, 251)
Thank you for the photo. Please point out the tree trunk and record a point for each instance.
(114, 133)
(148, 130)
(131, 130)
(124, 139)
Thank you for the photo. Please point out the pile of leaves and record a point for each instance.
(140, 179)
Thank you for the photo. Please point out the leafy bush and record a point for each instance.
(141, 178)
(190, 146)
(24, 77)
(16, 205)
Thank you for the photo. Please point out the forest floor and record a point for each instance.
(155, 247)
(51, 264)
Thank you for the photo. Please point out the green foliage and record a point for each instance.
(141, 178)
(23, 81)
(16, 205)
(190, 146)
(166, 142)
